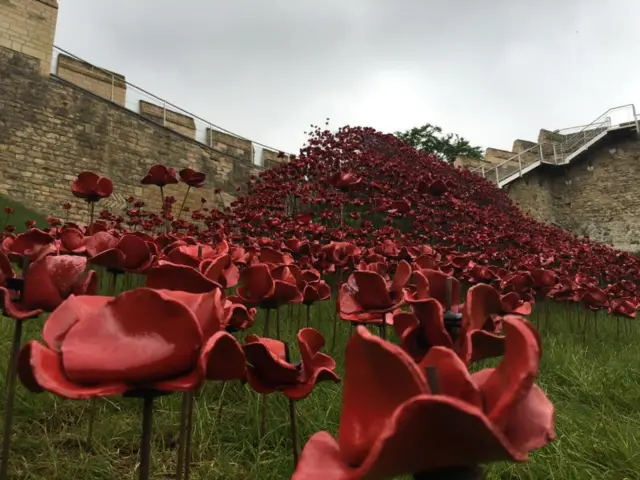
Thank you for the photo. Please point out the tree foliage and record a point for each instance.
(430, 139)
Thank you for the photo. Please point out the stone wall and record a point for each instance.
(234, 146)
(273, 159)
(108, 85)
(598, 194)
(50, 130)
(29, 27)
(166, 117)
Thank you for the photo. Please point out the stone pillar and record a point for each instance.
(29, 26)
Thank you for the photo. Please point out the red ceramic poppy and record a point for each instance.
(408, 429)
(274, 258)
(344, 180)
(476, 338)
(31, 245)
(221, 269)
(624, 307)
(261, 288)
(366, 296)
(47, 283)
(513, 303)
(342, 254)
(237, 316)
(143, 339)
(594, 298)
(129, 253)
(170, 276)
(160, 176)
(269, 370)
(192, 178)
(193, 255)
(72, 240)
(316, 292)
(91, 187)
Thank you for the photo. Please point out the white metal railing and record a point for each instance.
(516, 163)
(576, 138)
(134, 95)
(564, 150)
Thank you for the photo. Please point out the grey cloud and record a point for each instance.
(491, 70)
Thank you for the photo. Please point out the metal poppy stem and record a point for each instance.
(187, 453)
(278, 323)
(92, 418)
(265, 332)
(184, 201)
(11, 392)
(308, 315)
(292, 417)
(184, 410)
(294, 431)
(92, 209)
(335, 318)
(162, 209)
(145, 441)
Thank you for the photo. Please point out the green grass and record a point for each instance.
(594, 383)
(21, 214)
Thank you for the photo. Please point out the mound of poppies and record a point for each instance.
(370, 189)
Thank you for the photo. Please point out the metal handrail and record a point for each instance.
(159, 102)
(512, 159)
(633, 108)
(537, 145)
(566, 147)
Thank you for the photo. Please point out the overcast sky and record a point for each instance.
(491, 70)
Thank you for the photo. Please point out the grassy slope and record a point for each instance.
(593, 382)
(20, 215)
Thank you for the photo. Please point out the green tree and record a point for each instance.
(430, 139)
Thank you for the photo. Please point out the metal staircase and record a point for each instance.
(572, 142)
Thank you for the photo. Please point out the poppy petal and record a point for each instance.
(438, 287)
(41, 366)
(135, 250)
(257, 282)
(266, 362)
(321, 459)
(514, 377)
(171, 276)
(99, 242)
(452, 375)
(482, 301)
(347, 302)
(531, 424)
(372, 290)
(16, 310)
(430, 314)
(64, 317)
(223, 359)
(139, 336)
(477, 345)
(454, 432)
(375, 369)
(285, 292)
(402, 276)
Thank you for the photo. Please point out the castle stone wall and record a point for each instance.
(108, 85)
(51, 130)
(597, 194)
(29, 27)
